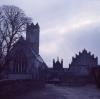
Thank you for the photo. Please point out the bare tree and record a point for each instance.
(12, 25)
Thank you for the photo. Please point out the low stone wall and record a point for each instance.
(10, 88)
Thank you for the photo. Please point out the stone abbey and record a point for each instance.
(26, 63)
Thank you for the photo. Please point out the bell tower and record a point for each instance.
(32, 35)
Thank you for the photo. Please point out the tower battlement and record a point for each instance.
(58, 65)
(33, 26)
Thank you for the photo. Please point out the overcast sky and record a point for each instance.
(66, 26)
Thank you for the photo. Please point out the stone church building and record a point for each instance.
(25, 61)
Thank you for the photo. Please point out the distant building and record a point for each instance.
(57, 71)
(25, 61)
(79, 71)
(82, 64)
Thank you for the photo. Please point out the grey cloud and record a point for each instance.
(62, 13)
(88, 38)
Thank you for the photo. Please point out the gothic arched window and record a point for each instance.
(20, 62)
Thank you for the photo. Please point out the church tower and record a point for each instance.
(32, 35)
(57, 65)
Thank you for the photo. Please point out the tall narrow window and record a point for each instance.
(20, 62)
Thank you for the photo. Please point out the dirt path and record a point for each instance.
(57, 92)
